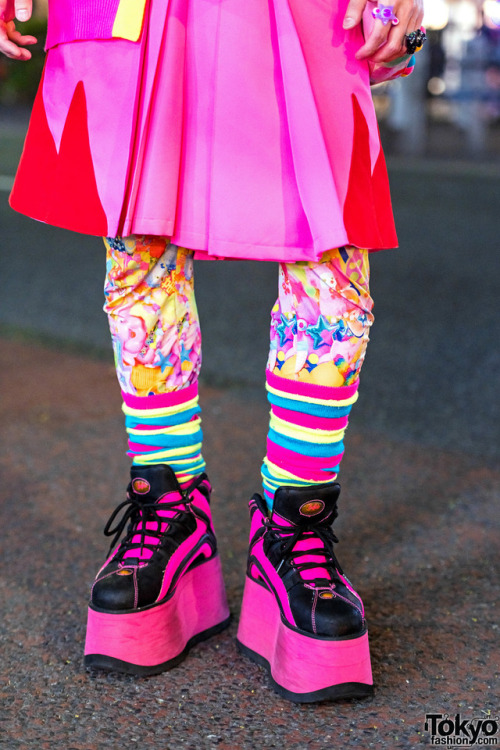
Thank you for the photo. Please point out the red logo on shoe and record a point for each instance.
(141, 486)
(311, 508)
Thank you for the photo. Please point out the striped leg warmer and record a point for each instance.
(306, 431)
(165, 429)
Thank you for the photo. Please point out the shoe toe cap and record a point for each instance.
(333, 617)
(336, 618)
(116, 592)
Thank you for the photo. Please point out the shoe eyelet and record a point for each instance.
(326, 595)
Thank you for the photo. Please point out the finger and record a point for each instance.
(376, 39)
(415, 21)
(11, 50)
(418, 16)
(21, 39)
(23, 9)
(386, 41)
(410, 21)
(354, 13)
(395, 46)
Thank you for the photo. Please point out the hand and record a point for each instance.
(386, 43)
(12, 42)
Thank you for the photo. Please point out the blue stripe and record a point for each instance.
(199, 466)
(195, 467)
(173, 419)
(145, 455)
(168, 441)
(305, 448)
(305, 407)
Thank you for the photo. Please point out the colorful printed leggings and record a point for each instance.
(319, 333)
(152, 314)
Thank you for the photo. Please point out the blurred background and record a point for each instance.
(456, 88)
(454, 92)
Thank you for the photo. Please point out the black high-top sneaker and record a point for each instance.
(161, 590)
(301, 617)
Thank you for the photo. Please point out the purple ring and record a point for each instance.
(385, 13)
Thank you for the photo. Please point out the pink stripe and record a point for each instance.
(323, 392)
(309, 420)
(138, 448)
(282, 456)
(161, 400)
(306, 467)
(146, 427)
(269, 497)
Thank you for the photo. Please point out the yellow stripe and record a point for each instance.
(159, 412)
(307, 434)
(191, 468)
(282, 473)
(181, 429)
(154, 457)
(310, 400)
(189, 461)
(129, 19)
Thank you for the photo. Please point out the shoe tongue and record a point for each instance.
(150, 483)
(306, 506)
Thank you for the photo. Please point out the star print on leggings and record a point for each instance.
(285, 330)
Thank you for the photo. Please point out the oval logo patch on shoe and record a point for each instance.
(141, 486)
(326, 595)
(311, 508)
(125, 572)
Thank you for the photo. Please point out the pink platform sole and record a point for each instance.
(151, 640)
(303, 668)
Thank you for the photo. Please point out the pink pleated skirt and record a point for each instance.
(238, 129)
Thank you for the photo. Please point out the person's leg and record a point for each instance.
(156, 336)
(319, 333)
(161, 589)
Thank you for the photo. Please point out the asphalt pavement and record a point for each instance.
(419, 506)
